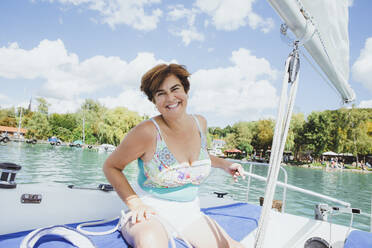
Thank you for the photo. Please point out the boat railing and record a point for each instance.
(266, 164)
(285, 185)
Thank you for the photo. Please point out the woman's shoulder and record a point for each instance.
(202, 121)
(146, 129)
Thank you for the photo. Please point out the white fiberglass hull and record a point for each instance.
(61, 205)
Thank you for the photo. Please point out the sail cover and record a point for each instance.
(324, 27)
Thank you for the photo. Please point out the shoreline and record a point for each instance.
(309, 166)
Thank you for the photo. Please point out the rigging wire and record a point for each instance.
(289, 41)
(310, 18)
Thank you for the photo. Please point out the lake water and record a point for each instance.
(43, 163)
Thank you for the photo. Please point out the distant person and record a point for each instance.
(173, 161)
(368, 165)
(362, 165)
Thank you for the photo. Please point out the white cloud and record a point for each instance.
(229, 92)
(362, 68)
(365, 104)
(128, 12)
(221, 94)
(65, 78)
(179, 12)
(133, 100)
(189, 35)
(231, 15)
(350, 3)
(63, 105)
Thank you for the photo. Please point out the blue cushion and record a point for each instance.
(358, 239)
(238, 220)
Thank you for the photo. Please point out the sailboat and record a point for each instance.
(28, 207)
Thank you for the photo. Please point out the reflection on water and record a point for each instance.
(50, 164)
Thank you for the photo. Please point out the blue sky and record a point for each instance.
(69, 50)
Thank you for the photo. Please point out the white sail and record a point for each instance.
(327, 25)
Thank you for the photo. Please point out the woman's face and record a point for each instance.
(171, 99)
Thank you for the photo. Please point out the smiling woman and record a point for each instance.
(173, 161)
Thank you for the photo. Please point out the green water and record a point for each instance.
(43, 163)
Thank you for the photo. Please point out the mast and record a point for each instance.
(19, 123)
(83, 128)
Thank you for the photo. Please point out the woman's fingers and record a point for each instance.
(133, 217)
(237, 170)
(241, 171)
(140, 214)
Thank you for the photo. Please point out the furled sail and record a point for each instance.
(324, 27)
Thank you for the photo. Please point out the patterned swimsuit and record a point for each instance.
(164, 177)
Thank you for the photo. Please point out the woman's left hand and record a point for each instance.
(235, 170)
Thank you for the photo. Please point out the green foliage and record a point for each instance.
(38, 127)
(294, 138)
(43, 106)
(8, 121)
(315, 132)
(243, 135)
(341, 131)
(116, 124)
(263, 134)
(7, 117)
(67, 121)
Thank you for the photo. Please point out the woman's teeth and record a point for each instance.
(172, 106)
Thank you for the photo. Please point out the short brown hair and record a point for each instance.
(153, 78)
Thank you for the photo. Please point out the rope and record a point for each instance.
(280, 135)
(167, 226)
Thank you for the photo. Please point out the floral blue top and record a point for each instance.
(164, 171)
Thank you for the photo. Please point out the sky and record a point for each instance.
(69, 50)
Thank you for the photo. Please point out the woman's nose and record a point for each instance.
(170, 96)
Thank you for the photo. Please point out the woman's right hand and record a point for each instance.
(139, 211)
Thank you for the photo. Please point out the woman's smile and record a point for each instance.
(173, 106)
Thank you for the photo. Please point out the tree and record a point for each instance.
(243, 135)
(43, 105)
(38, 127)
(294, 139)
(116, 124)
(263, 135)
(7, 117)
(316, 132)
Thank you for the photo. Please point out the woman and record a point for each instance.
(173, 161)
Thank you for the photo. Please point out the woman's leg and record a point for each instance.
(206, 233)
(145, 234)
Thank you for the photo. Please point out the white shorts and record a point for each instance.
(179, 215)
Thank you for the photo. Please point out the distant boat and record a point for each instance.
(54, 141)
(77, 143)
(106, 148)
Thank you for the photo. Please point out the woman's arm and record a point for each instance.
(134, 145)
(234, 169)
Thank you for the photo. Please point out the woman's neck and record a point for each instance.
(177, 124)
